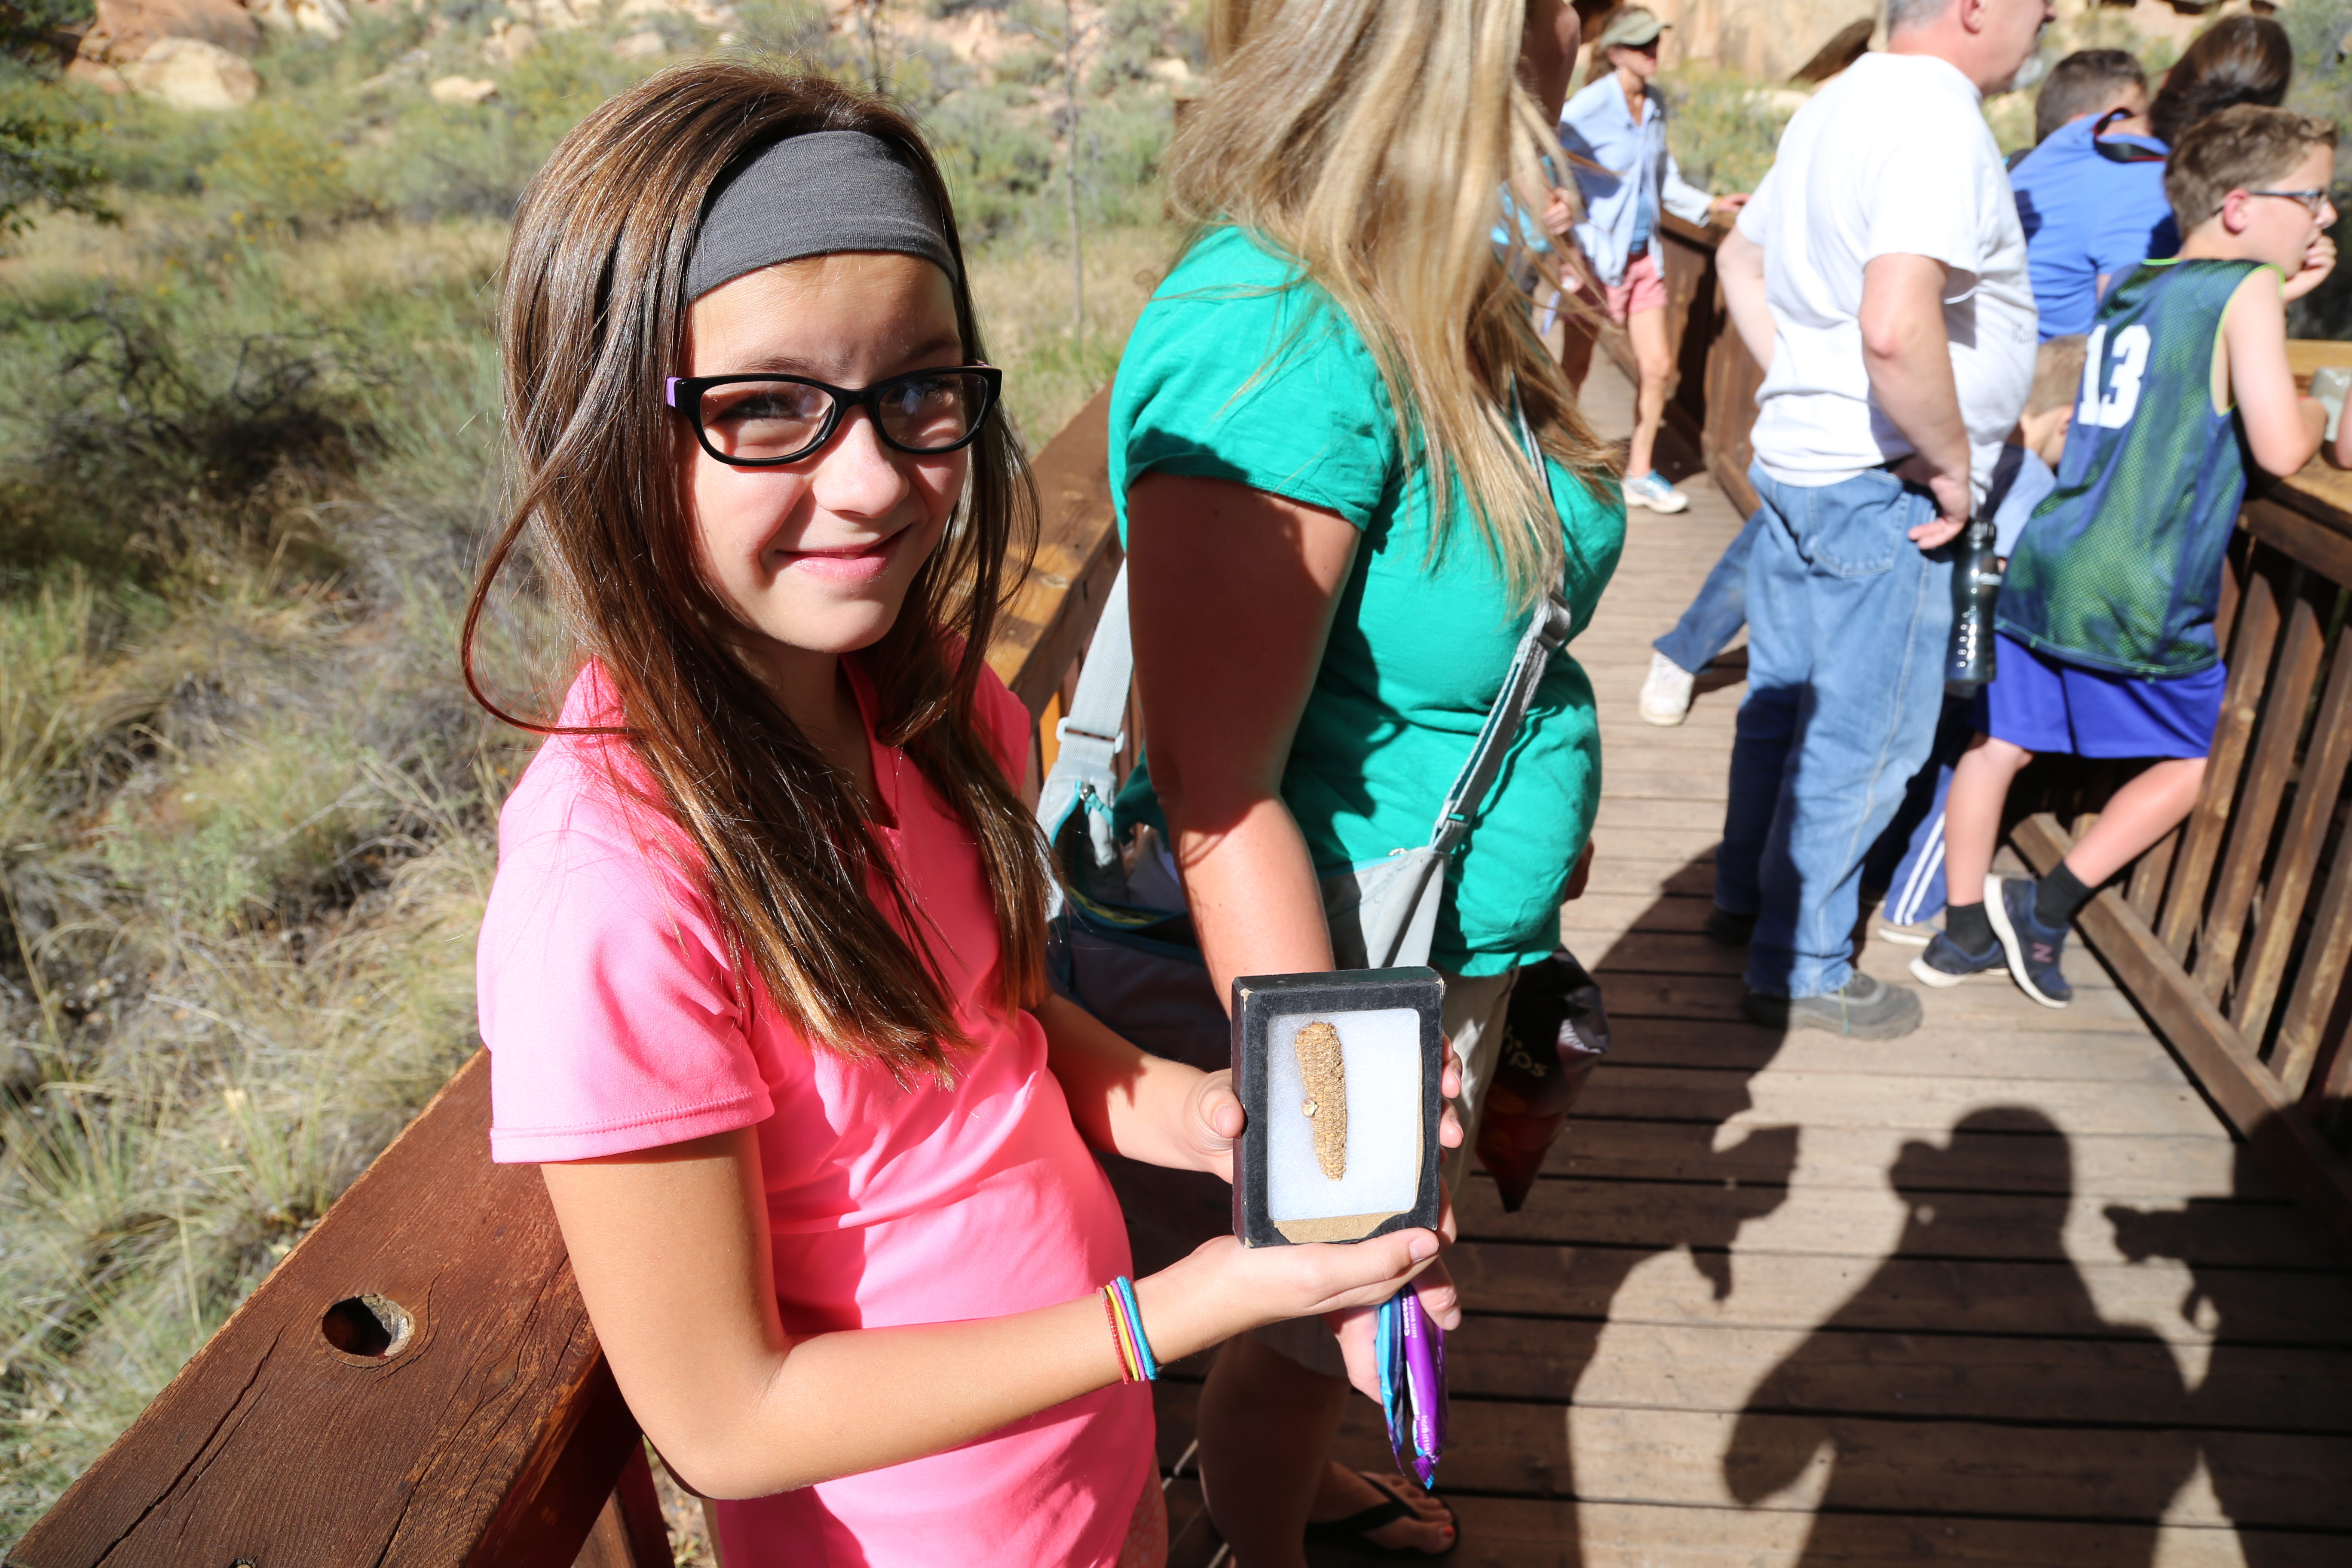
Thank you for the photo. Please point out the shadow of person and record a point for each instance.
(1923, 1427)
(1709, 1192)
(2274, 1373)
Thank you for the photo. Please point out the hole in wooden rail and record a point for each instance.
(374, 1327)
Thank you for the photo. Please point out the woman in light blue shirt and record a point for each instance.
(1614, 132)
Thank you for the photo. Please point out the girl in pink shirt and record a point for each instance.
(763, 972)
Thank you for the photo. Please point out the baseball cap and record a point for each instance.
(1636, 26)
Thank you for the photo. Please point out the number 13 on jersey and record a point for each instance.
(2113, 410)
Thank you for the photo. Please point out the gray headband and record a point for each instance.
(811, 195)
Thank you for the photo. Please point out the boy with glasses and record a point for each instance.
(2105, 625)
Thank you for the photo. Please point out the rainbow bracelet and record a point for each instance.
(1136, 1363)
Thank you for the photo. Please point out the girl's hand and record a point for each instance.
(1358, 1328)
(1728, 205)
(2317, 263)
(1224, 1287)
(1212, 1122)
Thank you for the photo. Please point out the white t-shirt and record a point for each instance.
(1893, 157)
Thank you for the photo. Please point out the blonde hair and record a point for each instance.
(1368, 142)
(2057, 373)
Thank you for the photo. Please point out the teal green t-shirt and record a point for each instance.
(1214, 384)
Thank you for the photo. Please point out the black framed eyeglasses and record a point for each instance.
(763, 421)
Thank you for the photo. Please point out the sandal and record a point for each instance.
(1356, 1528)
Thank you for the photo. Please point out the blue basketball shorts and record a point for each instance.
(2044, 704)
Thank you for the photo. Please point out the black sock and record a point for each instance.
(2058, 897)
(1968, 927)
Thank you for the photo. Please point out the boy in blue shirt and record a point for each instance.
(2106, 622)
(2091, 193)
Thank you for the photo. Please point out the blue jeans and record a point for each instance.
(1715, 616)
(1847, 623)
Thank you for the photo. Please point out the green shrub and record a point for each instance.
(1724, 128)
(278, 168)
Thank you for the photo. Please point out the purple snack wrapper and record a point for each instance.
(1412, 1385)
(1424, 1378)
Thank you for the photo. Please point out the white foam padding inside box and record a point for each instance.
(1381, 1051)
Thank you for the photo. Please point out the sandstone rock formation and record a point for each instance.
(189, 73)
(124, 30)
(463, 89)
(323, 18)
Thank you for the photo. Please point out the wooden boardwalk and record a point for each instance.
(2002, 1292)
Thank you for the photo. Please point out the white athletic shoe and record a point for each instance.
(1919, 934)
(1667, 692)
(1654, 492)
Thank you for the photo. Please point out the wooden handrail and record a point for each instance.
(417, 1384)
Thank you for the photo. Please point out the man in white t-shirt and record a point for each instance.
(1879, 275)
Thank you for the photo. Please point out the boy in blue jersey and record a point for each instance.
(2106, 620)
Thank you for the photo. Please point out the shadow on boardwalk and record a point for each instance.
(1795, 1419)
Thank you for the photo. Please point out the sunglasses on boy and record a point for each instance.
(2314, 202)
(764, 421)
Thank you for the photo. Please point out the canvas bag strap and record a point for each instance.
(1546, 635)
(1092, 732)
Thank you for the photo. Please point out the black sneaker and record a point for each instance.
(1866, 1009)
(2034, 950)
(1944, 965)
(1728, 929)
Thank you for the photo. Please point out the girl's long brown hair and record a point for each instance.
(593, 320)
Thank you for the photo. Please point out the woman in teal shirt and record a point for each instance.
(1336, 543)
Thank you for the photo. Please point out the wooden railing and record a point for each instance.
(1713, 399)
(416, 1385)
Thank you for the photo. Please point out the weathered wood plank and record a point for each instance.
(2201, 836)
(2144, 1170)
(492, 1434)
(2286, 700)
(2115, 1374)
(1760, 1288)
(2318, 787)
(1554, 1532)
(1664, 995)
(2028, 1054)
(1852, 1222)
(1052, 615)
(1917, 1103)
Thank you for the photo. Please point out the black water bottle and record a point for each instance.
(1976, 586)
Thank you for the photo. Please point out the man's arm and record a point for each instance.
(1739, 268)
(1909, 361)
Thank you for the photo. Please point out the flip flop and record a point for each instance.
(1356, 1528)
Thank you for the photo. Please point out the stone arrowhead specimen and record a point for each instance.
(1319, 1063)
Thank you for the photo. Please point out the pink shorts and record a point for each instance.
(1642, 290)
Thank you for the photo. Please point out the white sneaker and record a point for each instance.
(1667, 692)
(1654, 492)
(1919, 934)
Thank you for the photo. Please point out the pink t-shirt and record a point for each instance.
(614, 1023)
